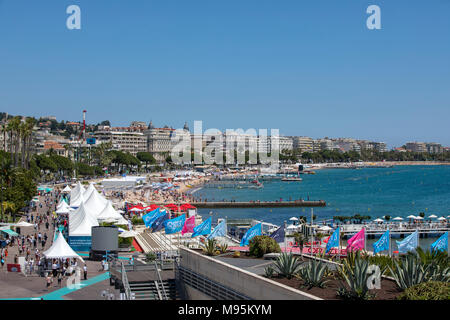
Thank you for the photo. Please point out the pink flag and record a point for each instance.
(357, 241)
(189, 225)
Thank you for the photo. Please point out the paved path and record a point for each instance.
(17, 286)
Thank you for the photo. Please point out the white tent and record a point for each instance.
(89, 190)
(61, 249)
(63, 208)
(76, 202)
(109, 212)
(61, 201)
(75, 192)
(23, 224)
(325, 228)
(96, 203)
(81, 221)
(66, 189)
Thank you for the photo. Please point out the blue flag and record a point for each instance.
(382, 243)
(158, 224)
(219, 231)
(441, 244)
(202, 229)
(150, 217)
(256, 230)
(174, 225)
(409, 243)
(333, 241)
(278, 235)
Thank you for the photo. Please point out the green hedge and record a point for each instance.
(260, 245)
(432, 290)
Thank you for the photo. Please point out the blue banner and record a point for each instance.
(256, 230)
(150, 217)
(202, 229)
(382, 244)
(441, 244)
(159, 222)
(174, 225)
(409, 243)
(278, 235)
(219, 231)
(333, 241)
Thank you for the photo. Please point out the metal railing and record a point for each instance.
(125, 283)
(164, 295)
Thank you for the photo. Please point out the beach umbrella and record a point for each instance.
(290, 227)
(411, 217)
(325, 228)
(378, 220)
(432, 216)
(136, 210)
(293, 219)
(418, 218)
(441, 219)
(398, 218)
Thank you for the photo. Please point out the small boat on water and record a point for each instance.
(292, 179)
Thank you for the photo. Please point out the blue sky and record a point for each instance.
(306, 67)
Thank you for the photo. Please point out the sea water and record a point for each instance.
(398, 192)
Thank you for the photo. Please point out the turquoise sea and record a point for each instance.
(398, 191)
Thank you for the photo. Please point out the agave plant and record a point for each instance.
(223, 248)
(268, 272)
(209, 247)
(287, 265)
(409, 273)
(313, 274)
(356, 278)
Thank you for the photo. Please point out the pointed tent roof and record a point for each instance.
(96, 203)
(63, 208)
(61, 201)
(89, 190)
(76, 202)
(61, 249)
(79, 189)
(66, 189)
(109, 213)
(81, 222)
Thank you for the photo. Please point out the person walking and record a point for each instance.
(85, 271)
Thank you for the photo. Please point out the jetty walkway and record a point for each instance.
(259, 204)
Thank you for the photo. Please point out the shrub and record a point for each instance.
(268, 272)
(432, 290)
(136, 220)
(355, 274)
(150, 257)
(223, 248)
(209, 247)
(287, 265)
(260, 245)
(409, 272)
(313, 274)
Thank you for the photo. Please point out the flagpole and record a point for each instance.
(312, 237)
(390, 250)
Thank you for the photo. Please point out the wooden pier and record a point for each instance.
(259, 204)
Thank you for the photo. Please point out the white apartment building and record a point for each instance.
(132, 142)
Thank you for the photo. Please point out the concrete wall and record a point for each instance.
(244, 282)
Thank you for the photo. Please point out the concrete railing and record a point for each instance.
(244, 282)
